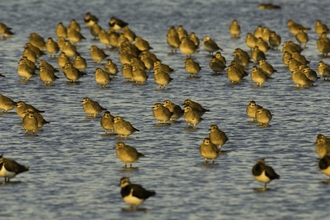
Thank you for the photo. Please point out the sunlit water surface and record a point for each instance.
(74, 172)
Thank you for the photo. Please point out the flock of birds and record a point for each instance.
(137, 61)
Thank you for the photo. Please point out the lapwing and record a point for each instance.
(134, 194)
(10, 168)
(264, 173)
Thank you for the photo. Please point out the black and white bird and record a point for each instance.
(134, 194)
(264, 173)
(10, 168)
(324, 165)
(90, 19)
(116, 23)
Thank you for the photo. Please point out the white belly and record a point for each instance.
(6, 173)
(326, 171)
(262, 178)
(132, 200)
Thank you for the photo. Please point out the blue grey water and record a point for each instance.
(74, 172)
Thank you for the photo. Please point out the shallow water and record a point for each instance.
(74, 172)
